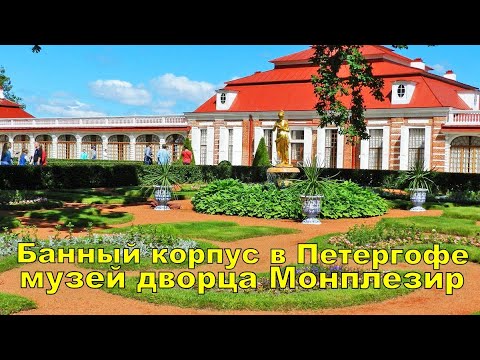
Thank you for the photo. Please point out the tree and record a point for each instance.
(261, 155)
(188, 145)
(7, 88)
(329, 87)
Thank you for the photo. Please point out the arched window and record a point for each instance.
(465, 154)
(142, 141)
(21, 142)
(3, 140)
(93, 140)
(118, 147)
(174, 144)
(67, 147)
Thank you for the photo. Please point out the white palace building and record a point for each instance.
(425, 116)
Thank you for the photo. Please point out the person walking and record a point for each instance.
(6, 158)
(43, 158)
(37, 154)
(22, 160)
(93, 154)
(84, 155)
(163, 156)
(186, 156)
(148, 155)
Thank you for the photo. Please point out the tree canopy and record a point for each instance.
(329, 88)
(6, 83)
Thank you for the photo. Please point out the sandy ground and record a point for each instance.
(87, 301)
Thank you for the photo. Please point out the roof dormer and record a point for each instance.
(402, 91)
(225, 98)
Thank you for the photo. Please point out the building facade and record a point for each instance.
(114, 138)
(426, 117)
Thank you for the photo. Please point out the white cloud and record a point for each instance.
(182, 88)
(163, 107)
(439, 68)
(67, 107)
(121, 91)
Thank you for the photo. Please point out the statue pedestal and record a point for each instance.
(283, 174)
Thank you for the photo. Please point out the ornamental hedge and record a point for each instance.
(232, 197)
(75, 174)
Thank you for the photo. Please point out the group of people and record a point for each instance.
(163, 155)
(93, 153)
(39, 156)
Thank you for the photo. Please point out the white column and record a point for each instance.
(321, 147)
(133, 141)
(237, 146)
(54, 154)
(32, 144)
(448, 141)
(104, 156)
(428, 147)
(307, 144)
(257, 135)
(340, 147)
(364, 149)
(79, 145)
(210, 145)
(223, 144)
(386, 147)
(404, 133)
(196, 143)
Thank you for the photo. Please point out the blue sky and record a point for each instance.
(116, 80)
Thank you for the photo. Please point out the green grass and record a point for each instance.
(8, 262)
(213, 230)
(81, 217)
(122, 196)
(442, 224)
(462, 212)
(10, 304)
(227, 300)
(9, 221)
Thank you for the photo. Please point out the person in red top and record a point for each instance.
(186, 156)
(43, 158)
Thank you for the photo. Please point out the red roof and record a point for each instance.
(370, 51)
(9, 109)
(289, 88)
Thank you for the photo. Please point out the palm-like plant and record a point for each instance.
(160, 175)
(419, 177)
(314, 182)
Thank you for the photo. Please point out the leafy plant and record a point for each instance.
(419, 177)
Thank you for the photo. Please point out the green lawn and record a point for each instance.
(81, 217)
(442, 224)
(259, 300)
(10, 304)
(123, 196)
(212, 230)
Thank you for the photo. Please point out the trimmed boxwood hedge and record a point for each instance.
(74, 174)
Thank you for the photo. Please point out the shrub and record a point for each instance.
(232, 197)
(261, 155)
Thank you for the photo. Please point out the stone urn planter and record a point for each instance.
(311, 208)
(418, 198)
(163, 195)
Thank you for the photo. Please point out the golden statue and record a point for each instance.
(282, 141)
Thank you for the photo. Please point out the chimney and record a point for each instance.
(418, 63)
(450, 75)
(2, 96)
